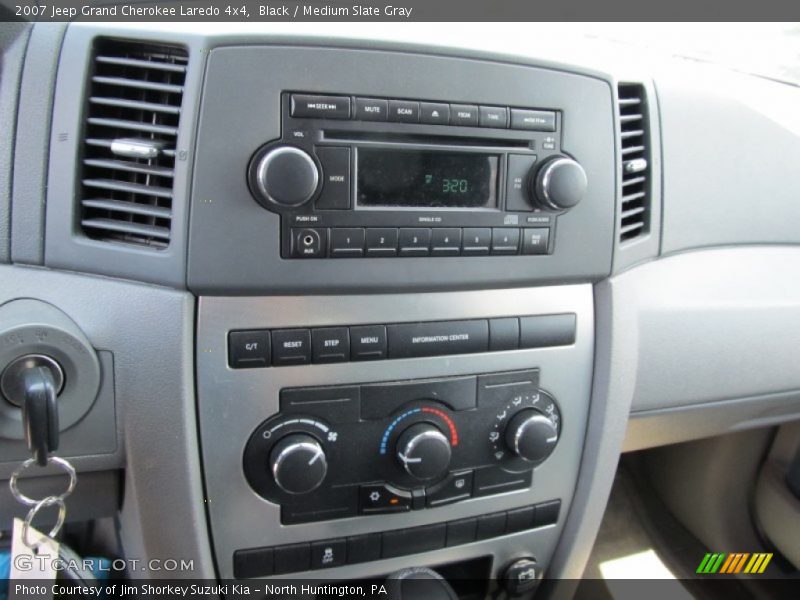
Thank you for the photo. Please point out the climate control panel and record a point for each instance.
(335, 452)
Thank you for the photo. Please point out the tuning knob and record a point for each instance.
(298, 463)
(531, 435)
(284, 176)
(560, 183)
(423, 451)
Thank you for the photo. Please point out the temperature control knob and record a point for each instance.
(298, 463)
(423, 451)
(531, 435)
(560, 183)
(284, 176)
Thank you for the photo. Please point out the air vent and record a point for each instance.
(635, 204)
(133, 113)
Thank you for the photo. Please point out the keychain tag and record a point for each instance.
(29, 565)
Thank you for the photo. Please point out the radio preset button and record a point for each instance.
(533, 120)
(477, 240)
(494, 116)
(464, 114)
(435, 113)
(381, 241)
(335, 178)
(368, 342)
(446, 241)
(505, 240)
(518, 189)
(414, 241)
(535, 240)
(404, 111)
(291, 347)
(371, 109)
(331, 344)
(347, 242)
(320, 107)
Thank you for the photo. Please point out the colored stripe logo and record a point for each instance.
(734, 562)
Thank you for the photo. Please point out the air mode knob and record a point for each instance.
(284, 176)
(560, 183)
(531, 435)
(423, 451)
(298, 463)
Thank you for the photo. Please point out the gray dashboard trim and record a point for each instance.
(13, 42)
(32, 143)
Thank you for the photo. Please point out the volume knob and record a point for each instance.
(560, 183)
(531, 435)
(285, 176)
(298, 463)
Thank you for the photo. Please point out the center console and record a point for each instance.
(387, 377)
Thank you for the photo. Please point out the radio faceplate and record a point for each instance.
(348, 185)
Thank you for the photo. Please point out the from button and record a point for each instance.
(371, 109)
(456, 487)
(504, 334)
(291, 347)
(292, 558)
(347, 242)
(446, 241)
(413, 541)
(477, 240)
(434, 113)
(491, 526)
(415, 241)
(382, 498)
(308, 242)
(462, 531)
(363, 548)
(320, 107)
(408, 340)
(368, 342)
(256, 562)
(331, 344)
(381, 241)
(328, 553)
(464, 114)
(404, 111)
(547, 513)
(248, 349)
(494, 116)
(533, 120)
(535, 240)
(518, 181)
(505, 240)
(546, 330)
(335, 178)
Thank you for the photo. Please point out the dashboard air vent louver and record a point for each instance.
(635, 203)
(133, 113)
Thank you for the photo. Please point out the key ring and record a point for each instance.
(44, 503)
(28, 501)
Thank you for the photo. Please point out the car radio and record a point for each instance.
(359, 177)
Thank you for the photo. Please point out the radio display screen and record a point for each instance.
(426, 179)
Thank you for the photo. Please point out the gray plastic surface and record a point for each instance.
(13, 41)
(149, 330)
(32, 327)
(232, 402)
(33, 142)
(67, 246)
(234, 242)
(731, 150)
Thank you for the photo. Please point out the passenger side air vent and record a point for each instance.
(635, 202)
(133, 113)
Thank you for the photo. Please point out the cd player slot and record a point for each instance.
(330, 135)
